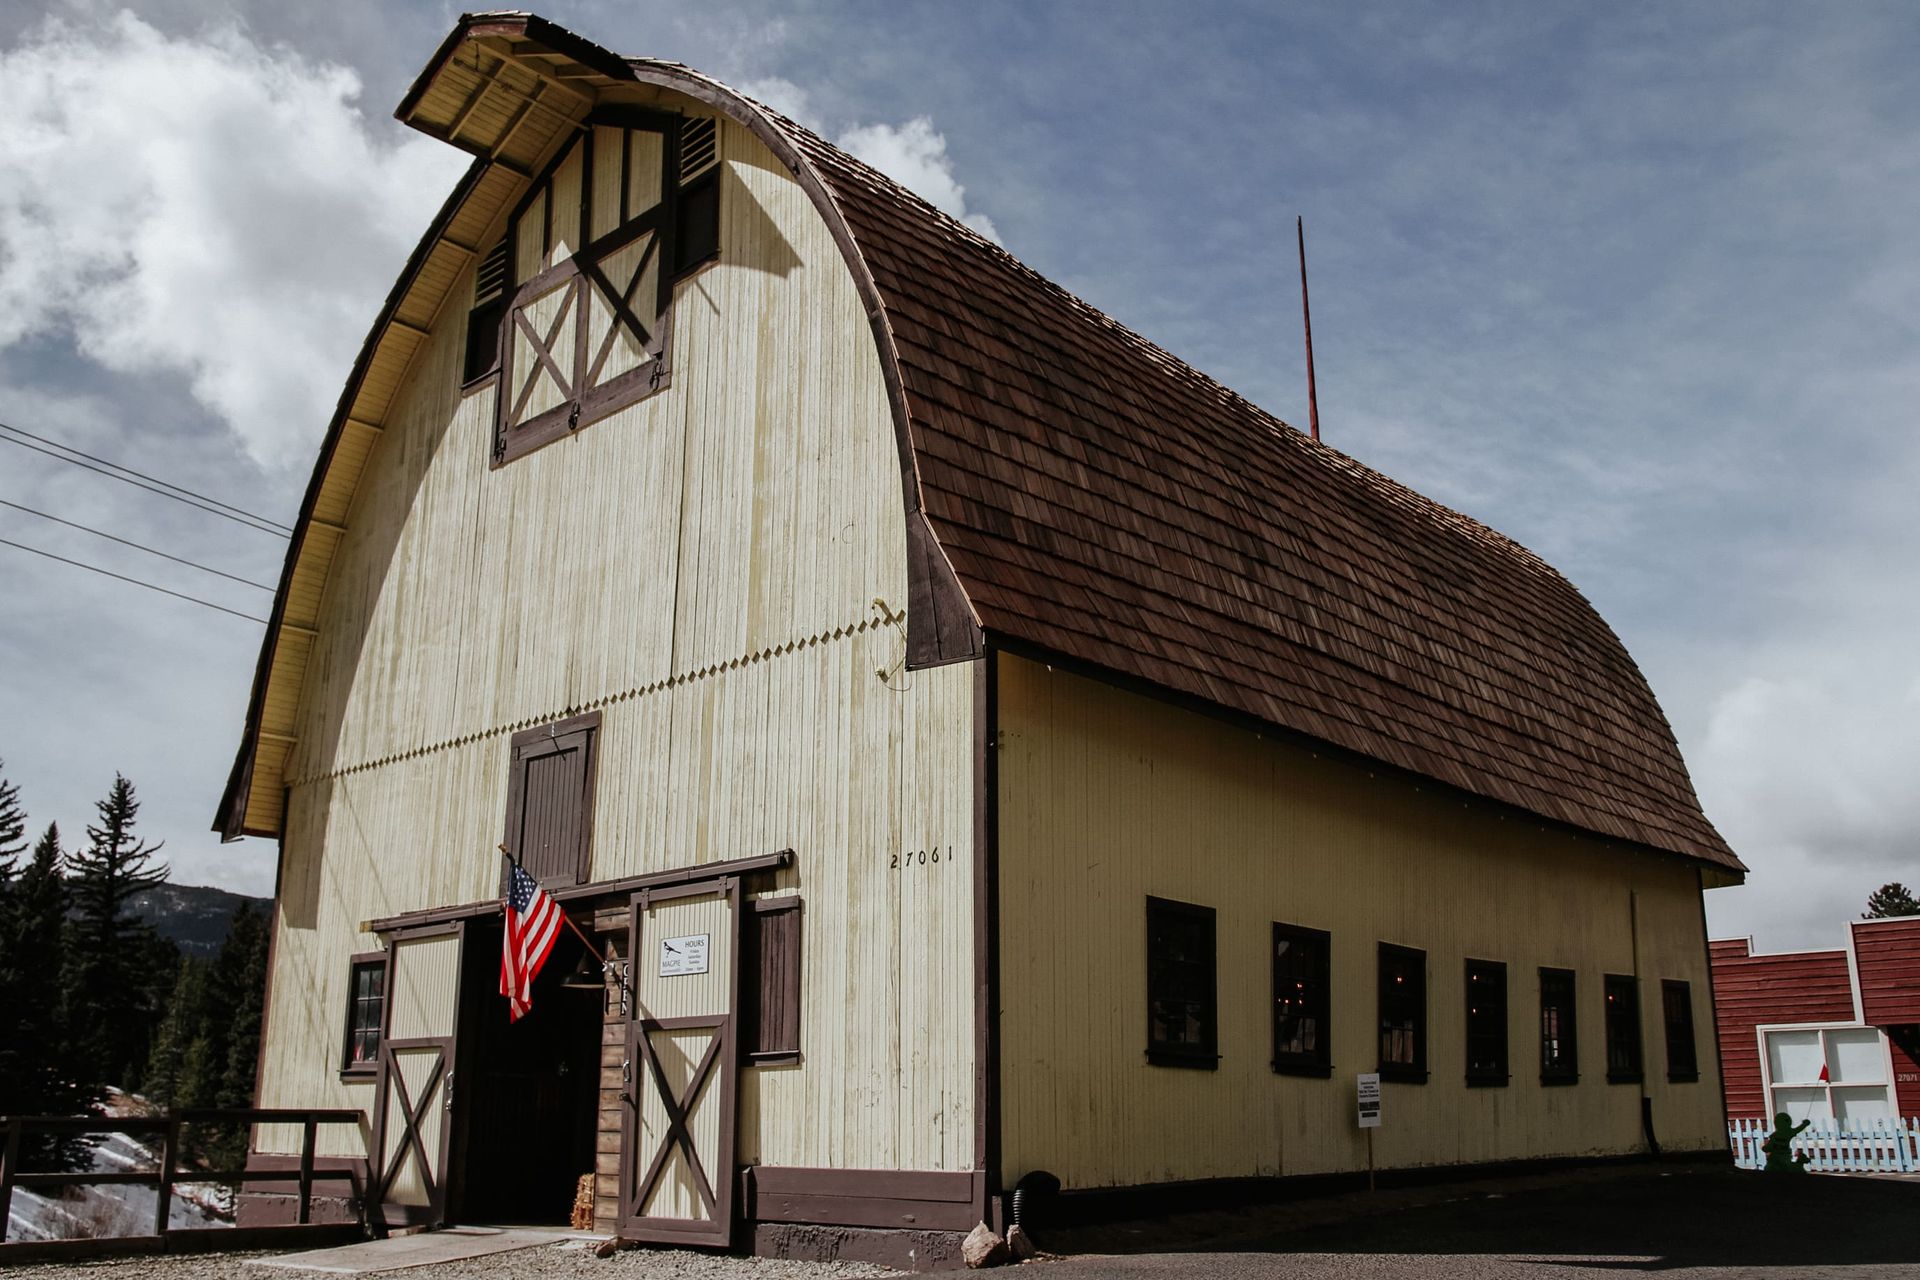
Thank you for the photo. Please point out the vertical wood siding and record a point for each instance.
(700, 567)
(1107, 798)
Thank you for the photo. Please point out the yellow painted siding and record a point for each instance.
(1107, 797)
(702, 568)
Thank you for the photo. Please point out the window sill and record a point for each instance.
(480, 383)
(1192, 1061)
(1397, 1074)
(774, 1058)
(349, 1074)
(1488, 1082)
(1554, 1081)
(1625, 1077)
(1312, 1070)
(1683, 1077)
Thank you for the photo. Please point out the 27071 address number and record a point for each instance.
(920, 858)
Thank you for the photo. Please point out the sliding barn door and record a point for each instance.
(415, 1108)
(678, 1177)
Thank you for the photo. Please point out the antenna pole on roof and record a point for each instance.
(1306, 319)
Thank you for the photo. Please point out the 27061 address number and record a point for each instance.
(931, 857)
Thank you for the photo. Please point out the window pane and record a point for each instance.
(1300, 997)
(1623, 1026)
(1794, 1057)
(1862, 1104)
(1402, 1008)
(1856, 1057)
(1558, 1051)
(1180, 979)
(1802, 1104)
(1486, 996)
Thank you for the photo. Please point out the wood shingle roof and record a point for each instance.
(1080, 492)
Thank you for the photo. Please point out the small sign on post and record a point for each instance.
(1367, 1094)
(682, 957)
(1368, 1091)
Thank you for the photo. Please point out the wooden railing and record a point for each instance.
(167, 1172)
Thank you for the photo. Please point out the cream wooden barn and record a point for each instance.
(984, 744)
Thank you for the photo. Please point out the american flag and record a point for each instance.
(533, 922)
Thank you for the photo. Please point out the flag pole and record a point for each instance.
(606, 961)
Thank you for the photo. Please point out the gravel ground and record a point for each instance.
(563, 1261)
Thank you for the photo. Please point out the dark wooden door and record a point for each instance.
(679, 1166)
(414, 1117)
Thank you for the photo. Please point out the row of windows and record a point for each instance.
(1182, 1011)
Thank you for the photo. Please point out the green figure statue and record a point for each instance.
(1779, 1146)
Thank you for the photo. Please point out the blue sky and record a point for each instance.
(1633, 284)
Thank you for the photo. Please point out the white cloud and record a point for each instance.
(914, 155)
(204, 207)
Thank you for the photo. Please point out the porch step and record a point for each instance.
(397, 1253)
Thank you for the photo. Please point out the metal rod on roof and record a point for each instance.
(1306, 319)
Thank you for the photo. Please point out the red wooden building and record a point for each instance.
(1822, 1034)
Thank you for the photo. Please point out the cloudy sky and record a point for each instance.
(1637, 285)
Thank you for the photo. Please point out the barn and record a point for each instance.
(1827, 1035)
(969, 742)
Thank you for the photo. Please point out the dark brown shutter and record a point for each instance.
(771, 995)
(550, 799)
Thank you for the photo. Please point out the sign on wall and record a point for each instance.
(682, 957)
(1368, 1091)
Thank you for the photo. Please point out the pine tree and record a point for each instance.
(37, 1073)
(183, 1026)
(1891, 900)
(112, 955)
(13, 829)
(243, 959)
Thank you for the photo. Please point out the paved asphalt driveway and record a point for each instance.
(1676, 1222)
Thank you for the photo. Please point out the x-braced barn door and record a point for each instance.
(678, 1169)
(416, 1078)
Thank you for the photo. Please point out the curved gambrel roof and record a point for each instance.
(1075, 492)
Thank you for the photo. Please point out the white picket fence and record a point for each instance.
(1837, 1146)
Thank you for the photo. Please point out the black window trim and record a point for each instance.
(1488, 1079)
(1318, 1064)
(349, 1069)
(1205, 1057)
(1680, 1075)
(1631, 985)
(1570, 1033)
(1403, 1073)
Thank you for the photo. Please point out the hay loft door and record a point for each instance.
(416, 1078)
(678, 1168)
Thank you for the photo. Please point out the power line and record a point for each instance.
(139, 480)
(21, 546)
(140, 546)
(226, 506)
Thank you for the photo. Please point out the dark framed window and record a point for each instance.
(550, 799)
(1182, 1008)
(1403, 1014)
(366, 1013)
(1302, 1039)
(1676, 1006)
(1559, 1043)
(770, 990)
(1623, 1028)
(1486, 1023)
(629, 206)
